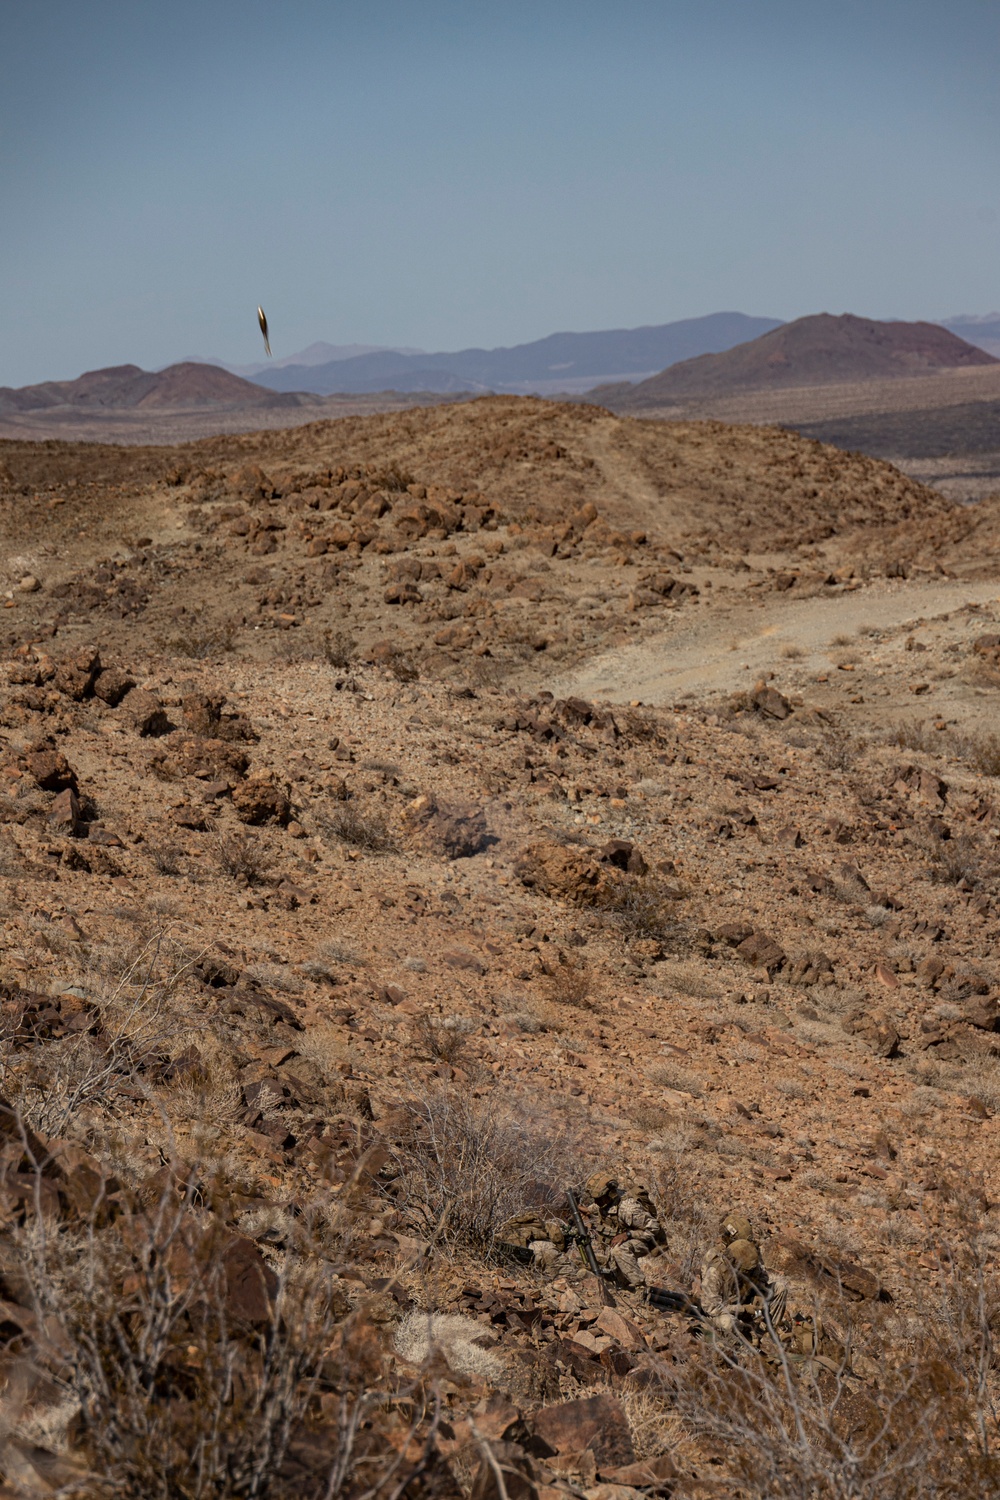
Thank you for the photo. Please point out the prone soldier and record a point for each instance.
(627, 1228)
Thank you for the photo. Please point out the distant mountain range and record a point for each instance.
(983, 331)
(817, 350)
(316, 354)
(127, 388)
(561, 362)
(630, 368)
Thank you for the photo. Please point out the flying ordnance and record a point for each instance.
(263, 328)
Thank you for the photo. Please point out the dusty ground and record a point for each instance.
(769, 667)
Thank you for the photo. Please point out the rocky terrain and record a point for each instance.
(402, 818)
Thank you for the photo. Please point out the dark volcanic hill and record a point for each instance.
(561, 362)
(126, 387)
(811, 351)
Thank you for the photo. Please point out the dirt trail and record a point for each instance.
(724, 649)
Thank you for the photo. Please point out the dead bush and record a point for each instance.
(891, 1409)
(339, 649)
(392, 477)
(165, 858)
(466, 1165)
(363, 828)
(441, 1037)
(135, 1025)
(570, 983)
(244, 857)
(201, 641)
(188, 1368)
(642, 909)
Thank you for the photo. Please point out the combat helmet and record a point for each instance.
(602, 1185)
(736, 1226)
(744, 1255)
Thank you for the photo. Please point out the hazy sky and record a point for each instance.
(447, 174)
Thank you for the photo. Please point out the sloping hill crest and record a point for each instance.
(811, 351)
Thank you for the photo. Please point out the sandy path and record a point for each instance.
(724, 648)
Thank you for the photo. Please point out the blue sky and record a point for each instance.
(439, 174)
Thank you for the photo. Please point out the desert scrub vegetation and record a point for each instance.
(570, 982)
(978, 750)
(186, 1366)
(115, 1040)
(641, 909)
(463, 1166)
(244, 857)
(363, 828)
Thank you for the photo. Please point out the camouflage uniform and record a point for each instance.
(737, 1294)
(544, 1239)
(628, 1228)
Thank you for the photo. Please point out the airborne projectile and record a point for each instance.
(263, 328)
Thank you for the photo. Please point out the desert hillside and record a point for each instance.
(811, 351)
(127, 388)
(405, 817)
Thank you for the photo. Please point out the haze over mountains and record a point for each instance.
(559, 363)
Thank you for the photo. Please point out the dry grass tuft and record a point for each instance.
(361, 828)
(244, 857)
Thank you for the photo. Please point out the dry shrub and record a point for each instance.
(401, 665)
(960, 861)
(339, 649)
(441, 1037)
(466, 1165)
(641, 908)
(165, 858)
(174, 1390)
(136, 1022)
(570, 983)
(980, 751)
(201, 641)
(892, 1409)
(667, 1075)
(244, 857)
(392, 477)
(364, 829)
(839, 749)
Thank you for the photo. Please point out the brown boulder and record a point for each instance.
(762, 952)
(202, 714)
(250, 483)
(76, 676)
(595, 1422)
(208, 760)
(402, 593)
(146, 712)
(566, 871)
(260, 800)
(455, 829)
(874, 1027)
(112, 685)
(50, 768)
(769, 702)
(65, 815)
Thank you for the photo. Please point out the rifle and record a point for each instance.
(581, 1234)
(664, 1300)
